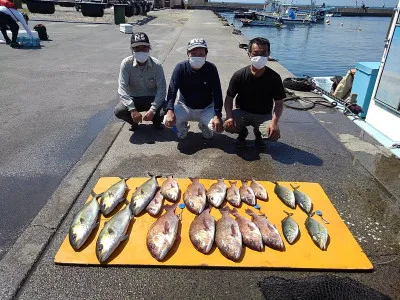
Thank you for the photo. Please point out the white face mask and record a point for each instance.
(197, 62)
(259, 62)
(141, 56)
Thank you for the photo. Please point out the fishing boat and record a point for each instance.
(261, 23)
(284, 14)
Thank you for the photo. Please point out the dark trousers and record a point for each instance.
(7, 22)
(141, 104)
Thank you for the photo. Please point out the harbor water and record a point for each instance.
(321, 49)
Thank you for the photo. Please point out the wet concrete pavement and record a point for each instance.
(55, 101)
(308, 151)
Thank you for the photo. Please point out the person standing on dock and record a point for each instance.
(196, 83)
(259, 93)
(9, 16)
(141, 85)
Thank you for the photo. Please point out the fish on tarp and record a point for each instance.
(302, 200)
(155, 205)
(163, 233)
(285, 195)
(83, 223)
(259, 191)
(290, 228)
(247, 194)
(270, 234)
(233, 195)
(318, 232)
(250, 233)
(216, 193)
(143, 195)
(195, 197)
(228, 237)
(113, 233)
(170, 189)
(111, 197)
(202, 231)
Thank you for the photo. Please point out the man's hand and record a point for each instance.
(170, 119)
(136, 116)
(217, 124)
(230, 125)
(273, 131)
(148, 116)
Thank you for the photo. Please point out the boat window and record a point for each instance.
(388, 91)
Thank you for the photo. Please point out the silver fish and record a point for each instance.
(162, 234)
(302, 200)
(259, 190)
(250, 233)
(114, 195)
(290, 229)
(270, 234)
(143, 195)
(285, 195)
(318, 232)
(83, 224)
(170, 189)
(228, 237)
(216, 193)
(195, 197)
(202, 231)
(247, 194)
(233, 195)
(113, 233)
(155, 204)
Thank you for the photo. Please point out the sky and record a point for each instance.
(370, 3)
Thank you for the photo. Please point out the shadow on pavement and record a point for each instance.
(287, 154)
(146, 134)
(194, 142)
(145, 21)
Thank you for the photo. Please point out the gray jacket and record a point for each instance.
(137, 81)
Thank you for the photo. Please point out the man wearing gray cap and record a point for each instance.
(142, 86)
(196, 82)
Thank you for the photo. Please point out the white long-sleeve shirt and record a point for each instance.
(17, 17)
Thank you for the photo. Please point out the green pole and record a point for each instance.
(119, 14)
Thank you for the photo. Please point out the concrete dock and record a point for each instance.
(322, 145)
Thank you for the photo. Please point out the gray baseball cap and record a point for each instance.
(196, 43)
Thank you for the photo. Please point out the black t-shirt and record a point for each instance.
(256, 95)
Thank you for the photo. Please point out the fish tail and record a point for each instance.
(154, 175)
(232, 182)
(224, 210)
(275, 182)
(193, 179)
(294, 187)
(233, 211)
(170, 207)
(249, 212)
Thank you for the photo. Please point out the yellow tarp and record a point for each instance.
(343, 251)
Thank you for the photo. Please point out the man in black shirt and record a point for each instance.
(259, 93)
(200, 95)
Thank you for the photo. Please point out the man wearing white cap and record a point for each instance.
(196, 82)
(142, 86)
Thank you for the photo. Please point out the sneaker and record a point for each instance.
(8, 42)
(240, 142)
(15, 45)
(206, 132)
(184, 132)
